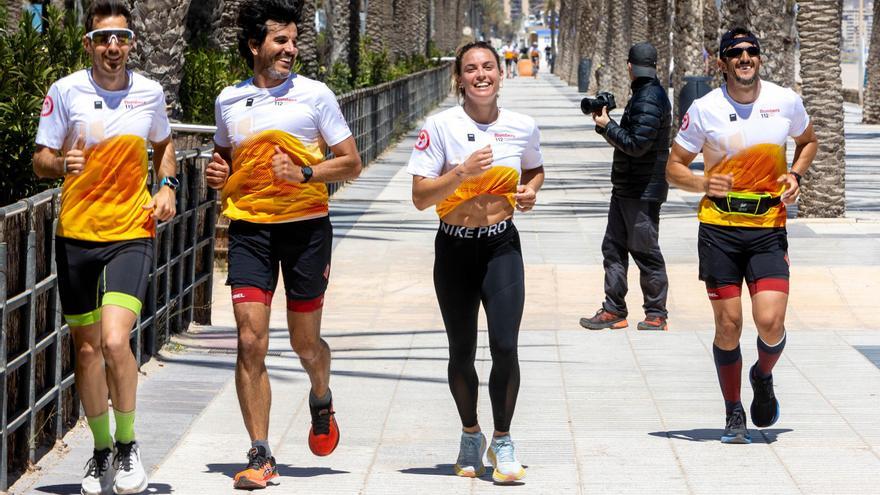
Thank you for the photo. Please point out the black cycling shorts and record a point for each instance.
(93, 274)
(730, 254)
(302, 249)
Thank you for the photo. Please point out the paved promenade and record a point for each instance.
(599, 412)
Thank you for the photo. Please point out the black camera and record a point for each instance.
(594, 105)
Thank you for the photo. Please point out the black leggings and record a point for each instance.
(467, 271)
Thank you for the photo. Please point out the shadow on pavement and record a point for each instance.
(447, 470)
(229, 470)
(74, 489)
(714, 434)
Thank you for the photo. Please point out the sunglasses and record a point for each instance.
(737, 52)
(106, 36)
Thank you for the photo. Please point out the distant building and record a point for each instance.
(850, 27)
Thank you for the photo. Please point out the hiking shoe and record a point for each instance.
(130, 475)
(765, 407)
(736, 431)
(324, 433)
(653, 323)
(470, 455)
(260, 469)
(98, 475)
(604, 319)
(502, 455)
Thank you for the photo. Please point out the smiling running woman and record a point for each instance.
(476, 163)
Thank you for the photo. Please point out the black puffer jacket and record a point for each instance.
(641, 143)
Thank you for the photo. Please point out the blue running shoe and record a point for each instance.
(736, 431)
(470, 455)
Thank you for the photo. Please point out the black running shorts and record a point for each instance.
(93, 274)
(302, 249)
(730, 254)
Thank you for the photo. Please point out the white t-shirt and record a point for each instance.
(301, 116)
(449, 137)
(747, 141)
(103, 203)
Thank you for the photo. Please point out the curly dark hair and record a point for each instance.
(252, 20)
(106, 8)
(459, 55)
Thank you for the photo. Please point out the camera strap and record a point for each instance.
(752, 204)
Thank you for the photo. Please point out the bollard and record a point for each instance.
(694, 87)
(584, 68)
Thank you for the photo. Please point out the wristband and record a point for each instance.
(64, 166)
(797, 177)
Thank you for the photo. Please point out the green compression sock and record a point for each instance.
(100, 426)
(124, 426)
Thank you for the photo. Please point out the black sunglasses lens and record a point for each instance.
(753, 51)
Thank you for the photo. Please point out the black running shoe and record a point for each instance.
(736, 431)
(765, 407)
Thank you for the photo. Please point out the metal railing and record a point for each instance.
(39, 403)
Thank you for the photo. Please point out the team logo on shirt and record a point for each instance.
(424, 140)
(48, 107)
(132, 104)
(501, 136)
(685, 121)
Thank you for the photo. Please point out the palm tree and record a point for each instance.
(639, 16)
(159, 54)
(307, 39)
(871, 108)
(379, 20)
(735, 13)
(711, 26)
(819, 28)
(687, 47)
(618, 48)
(566, 48)
(595, 15)
(773, 24)
(659, 27)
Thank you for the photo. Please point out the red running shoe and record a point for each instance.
(324, 434)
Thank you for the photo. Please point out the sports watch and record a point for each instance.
(307, 173)
(171, 182)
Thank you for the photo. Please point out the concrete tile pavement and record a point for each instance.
(598, 412)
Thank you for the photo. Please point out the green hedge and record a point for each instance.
(31, 62)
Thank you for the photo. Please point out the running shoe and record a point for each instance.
(130, 475)
(604, 319)
(260, 469)
(470, 455)
(765, 407)
(653, 323)
(324, 433)
(736, 431)
(502, 455)
(98, 475)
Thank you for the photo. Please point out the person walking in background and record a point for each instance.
(274, 129)
(639, 189)
(741, 129)
(476, 163)
(93, 134)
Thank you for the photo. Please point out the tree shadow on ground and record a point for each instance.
(714, 434)
(74, 489)
(229, 470)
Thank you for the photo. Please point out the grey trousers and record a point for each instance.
(633, 230)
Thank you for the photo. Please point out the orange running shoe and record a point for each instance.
(260, 469)
(324, 433)
(653, 323)
(604, 319)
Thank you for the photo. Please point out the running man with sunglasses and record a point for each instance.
(94, 129)
(274, 129)
(742, 129)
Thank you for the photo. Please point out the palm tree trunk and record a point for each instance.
(871, 108)
(773, 24)
(159, 54)
(659, 27)
(307, 39)
(618, 49)
(639, 21)
(687, 47)
(734, 13)
(711, 27)
(338, 18)
(819, 27)
(596, 15)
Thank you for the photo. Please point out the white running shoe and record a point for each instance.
(98, 475)
(130, 475)
(470, 455)
(502, 455)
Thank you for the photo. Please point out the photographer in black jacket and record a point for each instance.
(638, 176)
